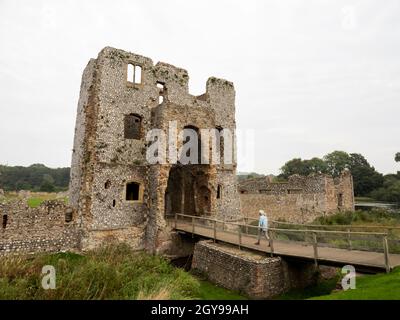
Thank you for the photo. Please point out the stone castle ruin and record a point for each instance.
(117, 194)
(114, 190)
(300, 200)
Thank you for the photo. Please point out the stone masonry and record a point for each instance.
(49, 227)
(300, 200)
(115, 194)
(114, 190)
(253, 274)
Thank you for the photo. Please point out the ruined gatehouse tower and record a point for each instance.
(115, 191)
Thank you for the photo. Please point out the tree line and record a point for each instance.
(367, 181)
(36, 177)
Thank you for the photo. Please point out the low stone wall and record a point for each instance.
(49, 227)
(255, 275)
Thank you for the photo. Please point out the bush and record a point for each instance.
(379, 216)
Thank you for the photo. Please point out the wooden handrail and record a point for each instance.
(305, 231)
(285, 230)
(344, 226)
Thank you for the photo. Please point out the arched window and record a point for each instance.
(195, 134)
(107, 185)
(161, 90)
(219, 191)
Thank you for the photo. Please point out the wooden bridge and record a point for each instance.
(367, 251)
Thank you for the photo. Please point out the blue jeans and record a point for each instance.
(263, 233)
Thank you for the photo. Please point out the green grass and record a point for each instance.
(323, 287)
(35, 202)
(371, 287)
(112, 272)
(209, 291)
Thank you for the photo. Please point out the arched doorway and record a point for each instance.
(187, 191)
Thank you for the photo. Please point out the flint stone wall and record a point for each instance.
(30, 230)
(255, 275)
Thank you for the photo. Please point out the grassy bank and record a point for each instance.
(113, 272)
(370, 287)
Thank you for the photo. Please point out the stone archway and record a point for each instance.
(187, 191)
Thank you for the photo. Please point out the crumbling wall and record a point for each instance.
(300, 200)
(45, 228)
(104, 160)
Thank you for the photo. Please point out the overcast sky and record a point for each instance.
(310, 76)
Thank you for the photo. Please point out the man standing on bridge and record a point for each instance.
(263, 227)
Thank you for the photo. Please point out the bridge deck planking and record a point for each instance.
(326, 255)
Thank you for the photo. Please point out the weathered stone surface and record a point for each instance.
(28, 230)
(253, 274)
(104, 160)
(300, 200)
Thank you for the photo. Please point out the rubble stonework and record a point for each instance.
(105, 160)
(49, 227)
(253, 274)
(300, 200)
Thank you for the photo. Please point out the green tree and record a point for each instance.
(33, 177)
(337, 161)
(365, 177)
(294, 166)
(315, 165)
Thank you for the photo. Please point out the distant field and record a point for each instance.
(33, 199)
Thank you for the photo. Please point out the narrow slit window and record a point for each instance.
(132, 191)
(340, 200)
(161, 92)
(113, 204)
(5, 220)
(219, 189)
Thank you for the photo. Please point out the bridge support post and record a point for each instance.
(192, 227)
(386, 253)
(315, 246)
(215, 231)
(176, 220)
(240, 237)
(349, 240)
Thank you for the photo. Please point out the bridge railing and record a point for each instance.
(359, 243)
(350, 240)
